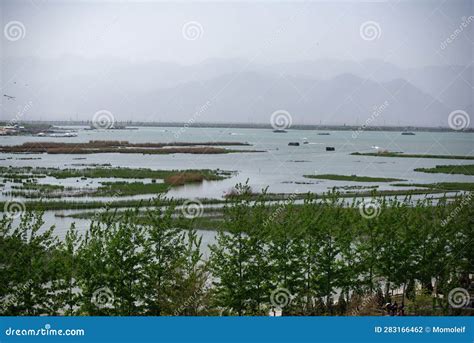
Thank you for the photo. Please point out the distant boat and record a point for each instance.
(323, 134)
(294, 144)
(279, 131)
(330, 148)
(63, 134)
(408, 134)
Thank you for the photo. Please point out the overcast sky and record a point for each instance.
(70, 59)
(409, 33)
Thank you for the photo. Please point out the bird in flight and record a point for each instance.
(9, 97)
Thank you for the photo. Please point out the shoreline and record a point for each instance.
(264, 126)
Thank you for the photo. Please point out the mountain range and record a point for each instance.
(370, 92)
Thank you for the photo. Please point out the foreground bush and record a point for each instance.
(314, 258)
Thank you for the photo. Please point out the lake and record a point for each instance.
(280, 167)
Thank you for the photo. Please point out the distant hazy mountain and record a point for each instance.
(451, 85)
(345, 99)
(327, 91)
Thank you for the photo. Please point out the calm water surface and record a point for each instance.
(280, 167)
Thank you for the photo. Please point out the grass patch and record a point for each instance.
(171, 178)
(441, 186)
(212, 222)
(467, 169)
(185, 177)
(123, 173)
(86, 205)
(34, 190)
(398, 154)
(123, 147)
(38, 187)
(130, 188)
(353, 178)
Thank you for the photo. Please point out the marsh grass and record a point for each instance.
(353, 178)
(464, 169)
(398, 154)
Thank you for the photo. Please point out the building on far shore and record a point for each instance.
(11, 129)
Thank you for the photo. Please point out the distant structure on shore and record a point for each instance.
(324, 128)
(11, 129)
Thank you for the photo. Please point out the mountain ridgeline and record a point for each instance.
(313, 92)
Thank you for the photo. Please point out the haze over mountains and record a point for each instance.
(234, 90)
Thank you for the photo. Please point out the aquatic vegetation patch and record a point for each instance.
(353, 178)
(464, 169)
(399, 154)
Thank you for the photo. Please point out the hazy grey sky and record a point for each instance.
(265, 32)
(70, 59)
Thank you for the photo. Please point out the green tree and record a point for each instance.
(165, 253)
(26, 265)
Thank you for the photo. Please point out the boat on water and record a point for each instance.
(323, 134)
(408, 133)
(57, 134)
(63, 134)
(280, 131)
(294, 144)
